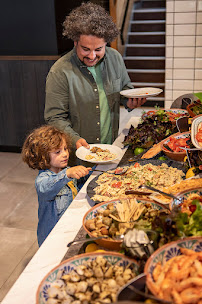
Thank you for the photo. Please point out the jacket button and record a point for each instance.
(98, 123)
(97, 107)
(95, 90)
(97, 138)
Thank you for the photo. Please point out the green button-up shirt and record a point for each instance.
(72, 97)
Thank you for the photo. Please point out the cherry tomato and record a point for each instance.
(116, 185)
(199, 136)
(192, 208)
(136, 165)
(118, 170)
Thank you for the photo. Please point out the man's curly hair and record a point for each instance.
(40, 142)
(90, 19)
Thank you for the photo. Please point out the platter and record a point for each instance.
(171, 163)
(141, 92)
(82, 153)
(174, 111)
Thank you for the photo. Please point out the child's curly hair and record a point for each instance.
(90, 19)
(38, 145)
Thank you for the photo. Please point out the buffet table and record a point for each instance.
(54, 249)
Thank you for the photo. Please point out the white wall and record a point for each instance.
(183, 48)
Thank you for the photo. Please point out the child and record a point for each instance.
(47, 149)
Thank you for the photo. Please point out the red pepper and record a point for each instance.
(116, 185)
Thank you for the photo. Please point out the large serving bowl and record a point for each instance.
(110, 243)
(178, 156)
(167, 252)
(185, 194)
(67, 266)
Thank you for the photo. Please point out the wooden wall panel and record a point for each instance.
(22, 98)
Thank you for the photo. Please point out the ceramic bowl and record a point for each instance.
(196, 125)
(68, 265)
(184, 195)
(168, 251)
(178, 156)
(110, 243)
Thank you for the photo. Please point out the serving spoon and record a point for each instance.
(116, 238)
(119, 172)
(147, 296)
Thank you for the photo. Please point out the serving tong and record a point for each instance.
(147, 295)
(178, 200)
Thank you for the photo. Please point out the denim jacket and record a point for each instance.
(54, 197)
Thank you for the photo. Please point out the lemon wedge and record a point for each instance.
(91, 247)
(190, 172)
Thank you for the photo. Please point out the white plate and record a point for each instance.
(141, 92)
(194, 129)
(82, 152)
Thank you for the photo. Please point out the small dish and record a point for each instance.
(141, 92)
(196, 125)
(82, 152)
(178, 156)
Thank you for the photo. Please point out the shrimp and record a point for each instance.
(191, 295)
(190, 282)
(176, 297)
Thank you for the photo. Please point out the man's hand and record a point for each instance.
(82, 142)
(133, 103)
(77, 172)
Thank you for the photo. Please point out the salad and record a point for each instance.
(154, 127)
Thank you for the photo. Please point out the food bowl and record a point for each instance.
(195, 127)
(110, 243)
(53, 278)
(167, 252)
(178, 156)
(185, 194)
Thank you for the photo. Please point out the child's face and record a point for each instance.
(59, 158)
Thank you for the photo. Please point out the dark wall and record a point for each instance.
(34, 27)
(27, 27)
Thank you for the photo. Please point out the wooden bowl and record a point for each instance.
(109, 243)
(178, 156)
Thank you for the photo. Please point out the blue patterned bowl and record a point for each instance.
(185, 194)
(68, 265)
(109, 243)
(168, 251)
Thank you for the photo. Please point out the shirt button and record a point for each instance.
(98, 123)
(97, 107)
(97, 138)
(95, 90)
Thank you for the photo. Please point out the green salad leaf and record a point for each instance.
(191, 225)
(198, 95)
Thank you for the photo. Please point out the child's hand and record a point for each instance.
(77, 171)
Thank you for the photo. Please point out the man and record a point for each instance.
(83, 87)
